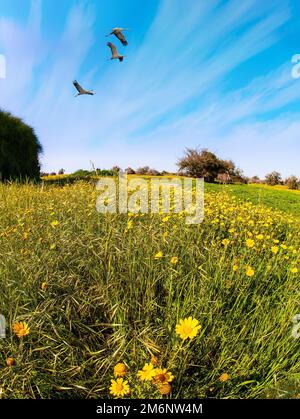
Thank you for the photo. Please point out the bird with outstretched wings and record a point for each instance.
(114, 52)
(119, 34)
(81, 90)
(121, 37)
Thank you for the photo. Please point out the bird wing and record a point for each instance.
(113, 49)
(78, 87)
(121, 37)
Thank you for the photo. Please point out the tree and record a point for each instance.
(61, 171)
(224, 178)
(129, 171)
(153, 172)
(229, 167)
(19, 149)
(204, 163)
(142, 170)
(292, 182)
(255, 179)
(116, 169)
(273, 178)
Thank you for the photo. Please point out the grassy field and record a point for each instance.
(97, 290)
(277, 197)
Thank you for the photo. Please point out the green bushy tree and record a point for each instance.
(19, 149)
(273, 178)
(204, 163)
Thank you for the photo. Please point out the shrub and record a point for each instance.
(142, 170)
(292, 182)
(82, 173)
(130, 171)
(240, 178)
(255, 179)
(273, 178)
(153, 172)
(224, 178)
(105, 172)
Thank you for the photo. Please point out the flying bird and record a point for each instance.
(82, 91)
(118, 33)
(114, 52)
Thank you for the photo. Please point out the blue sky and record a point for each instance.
(214, 74)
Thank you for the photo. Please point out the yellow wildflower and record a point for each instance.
(250, 243)
(165, 389)
(188, 328)
(250, 271)
(147, 373)
(224, 377)
(158, 255)
(10, 362)
(44, 286)
(162, 376)
(120, 370)
(119, 388)
(21, 329)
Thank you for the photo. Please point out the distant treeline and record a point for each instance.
(91, 175)
(195, 163)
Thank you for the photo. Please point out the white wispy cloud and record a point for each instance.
(24, 51)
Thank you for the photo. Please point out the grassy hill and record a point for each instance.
(277, 197)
